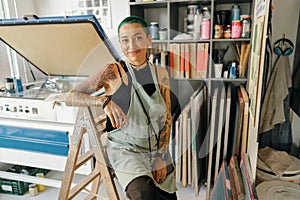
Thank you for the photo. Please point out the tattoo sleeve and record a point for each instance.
(164, 136)
(80, 94)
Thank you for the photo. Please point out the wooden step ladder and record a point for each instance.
(85, 123)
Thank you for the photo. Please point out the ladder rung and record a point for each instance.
(91, 197)
(101, 130)
(83, 183)
(101, 120)
(84, 158)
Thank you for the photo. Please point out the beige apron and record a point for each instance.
(128, 147)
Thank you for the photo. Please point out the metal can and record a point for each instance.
(235, 12)
(205, 29)
(9, 84)
(154, 28)
(246, 26)
(236, 29)
(218, 31)
(33, 190)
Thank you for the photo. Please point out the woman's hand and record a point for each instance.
(115, 114)
(159, 169)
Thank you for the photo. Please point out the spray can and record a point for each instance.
(205, 29)
(197, 25)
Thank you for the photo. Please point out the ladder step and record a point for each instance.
(83, 183)
(91, 197)
(101, 119)
(84, 158)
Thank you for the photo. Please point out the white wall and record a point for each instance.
(119, 9)
(285, 21)
(24, 7)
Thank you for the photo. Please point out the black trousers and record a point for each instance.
(143, 188)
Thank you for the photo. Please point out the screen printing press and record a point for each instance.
(33, 132)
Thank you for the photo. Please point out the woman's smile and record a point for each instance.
(134, 52)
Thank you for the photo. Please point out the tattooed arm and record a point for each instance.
(159, 169)
(108, 78)
(164, 136)
(80, 94)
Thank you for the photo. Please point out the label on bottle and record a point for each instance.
(236, 29)
(205, 29)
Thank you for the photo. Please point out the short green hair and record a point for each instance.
(135, 19)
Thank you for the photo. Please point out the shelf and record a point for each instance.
(188, 41)
(230, 79)
(232, 40)
(190, 79)
(232, 1)
(187, 2)
(153, 4)
(160, 41)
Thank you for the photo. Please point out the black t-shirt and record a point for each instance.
(122, 96)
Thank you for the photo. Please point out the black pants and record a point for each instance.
(143, 188)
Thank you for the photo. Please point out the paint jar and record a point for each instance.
(218, 31)
(9, 84)
(33, 190)
(154, 29)
(163, 34)
(40, 187)
(205, 29)
(246, 26)
(227, 32)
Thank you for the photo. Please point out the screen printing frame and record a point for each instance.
(60, 46)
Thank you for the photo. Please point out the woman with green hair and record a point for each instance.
(137, 105)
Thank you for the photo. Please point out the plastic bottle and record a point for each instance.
(232, 73)
(197, 25)
(235, 13)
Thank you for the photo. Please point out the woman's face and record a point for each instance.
(134, 42)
